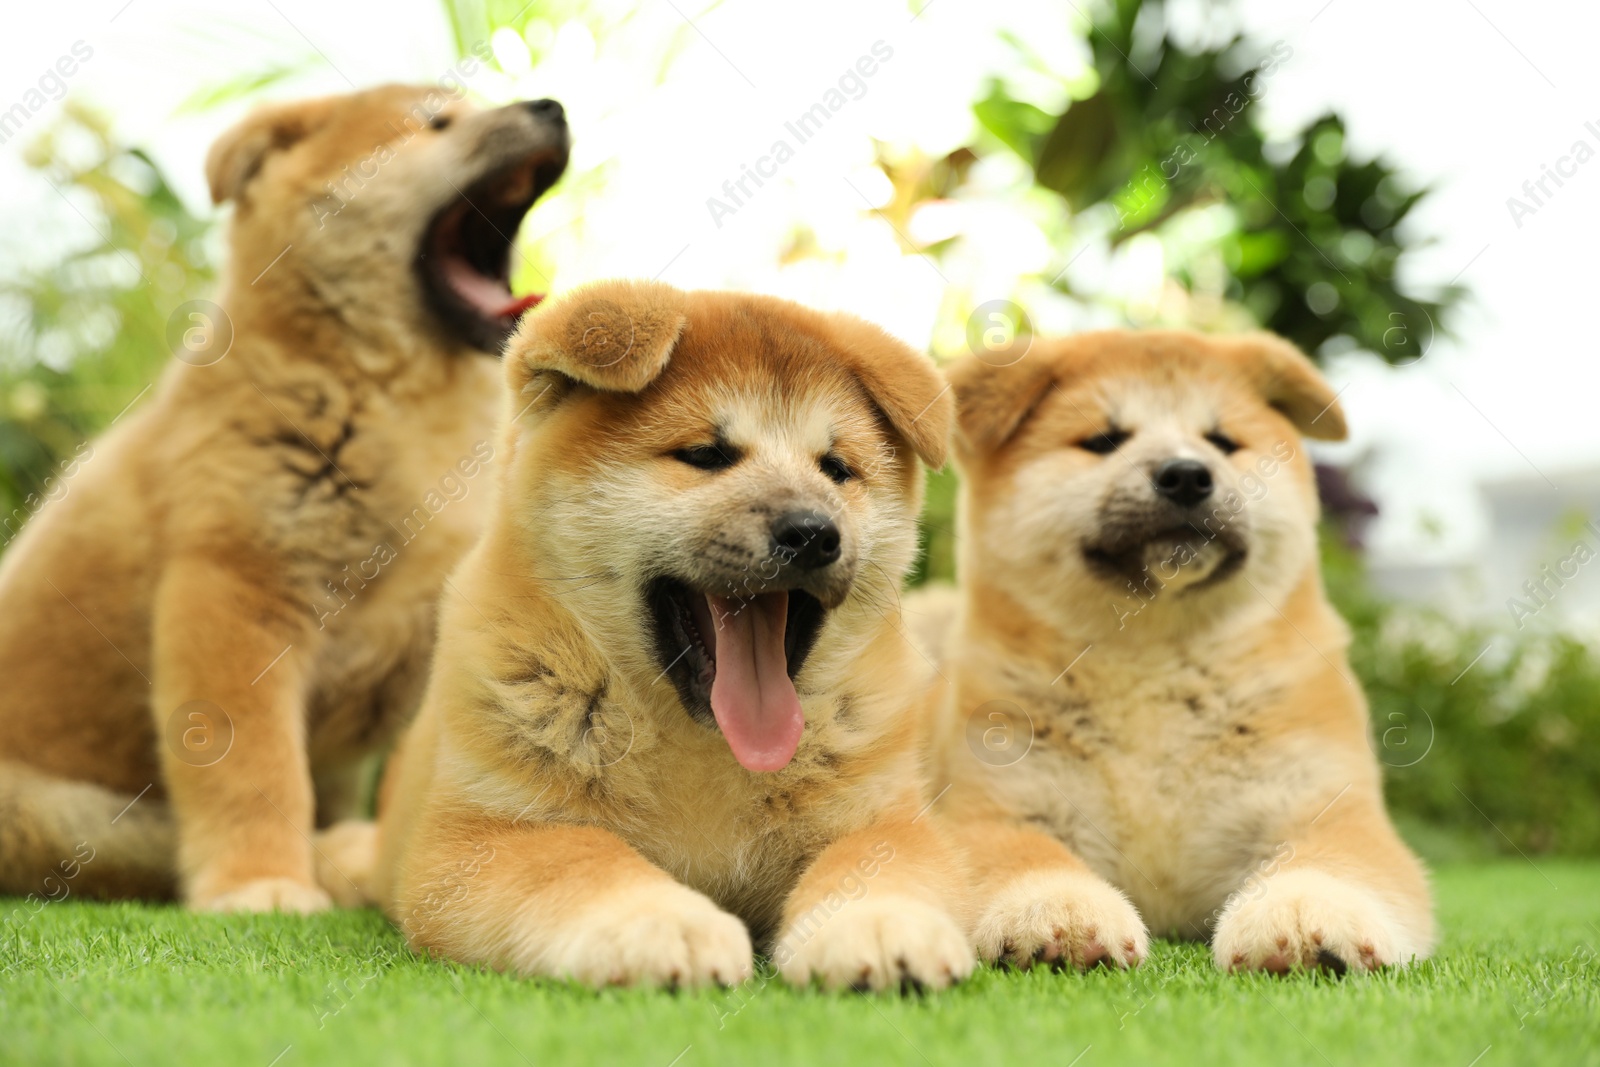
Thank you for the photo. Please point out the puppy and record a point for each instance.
(233, 605)
(672, 706)
(1148, 688)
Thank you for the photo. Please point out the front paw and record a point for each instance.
(264, 894)
(874, 944)
(1305, 919)
(1064, 919)
(654, 935)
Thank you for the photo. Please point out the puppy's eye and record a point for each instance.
(439, 122)
(707, 457)
(1103, 444)
(1223, 443)
(836, 469)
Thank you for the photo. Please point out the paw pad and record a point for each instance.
(1095, 955)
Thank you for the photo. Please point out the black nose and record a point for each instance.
(805, 539)
(1185, 482)
(547, 110)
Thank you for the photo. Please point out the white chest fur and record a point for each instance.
(1168, 779)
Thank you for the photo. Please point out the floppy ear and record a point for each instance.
(1291, 383)
(993, 401)
(613, 336)
(238, 154)
(903, 382)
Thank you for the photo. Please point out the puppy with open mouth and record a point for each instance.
(230, 612)
(1150, 703)
(672, 705)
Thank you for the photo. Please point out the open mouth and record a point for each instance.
(465, 258)
(733, 660)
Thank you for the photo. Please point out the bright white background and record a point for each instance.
(1472, 96)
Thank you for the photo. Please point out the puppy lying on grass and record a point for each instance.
(1149, 690)
(672, 707)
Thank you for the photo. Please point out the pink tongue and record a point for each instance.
(520, 304)
(487, 295)
(752, 697)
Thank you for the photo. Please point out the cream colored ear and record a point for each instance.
(992, 401)
(237, 156)
(1290, 382)
(614, 336)
(904, 383)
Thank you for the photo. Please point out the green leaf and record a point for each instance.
(1077, 158)
(1016, 123)
(240, 86)
(1249, 254)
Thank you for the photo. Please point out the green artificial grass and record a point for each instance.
(1516, 981)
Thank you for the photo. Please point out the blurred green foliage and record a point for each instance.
(1486, 734)
(83, 335)
(1313, 237)
(936, 556)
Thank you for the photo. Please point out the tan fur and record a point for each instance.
(220, 542)
(557, 810)
(1190, 731)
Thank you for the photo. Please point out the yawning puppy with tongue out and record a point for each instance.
(673, 710)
